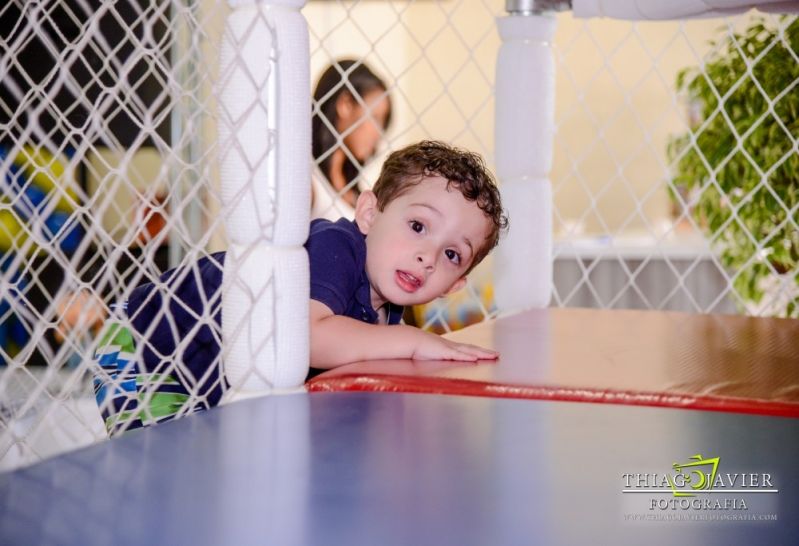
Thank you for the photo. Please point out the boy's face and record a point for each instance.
(420, 246)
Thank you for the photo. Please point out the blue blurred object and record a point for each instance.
(65, 229)
(4, 327)
(13, 332)
(31, 197)
(31, 200)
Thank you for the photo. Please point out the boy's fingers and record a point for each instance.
(480, 352)
(462, 355)
(457, 353)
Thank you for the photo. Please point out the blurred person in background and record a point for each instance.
(352, 110)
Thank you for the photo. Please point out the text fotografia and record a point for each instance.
(698, 504)
(698, 486)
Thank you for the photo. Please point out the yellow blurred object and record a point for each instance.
(48, 172)
(458, 310)
(12, 233)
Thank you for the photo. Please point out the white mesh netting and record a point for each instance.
(674, 175)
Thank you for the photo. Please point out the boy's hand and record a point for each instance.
(78, 307)
(337, 340)
(433, 347)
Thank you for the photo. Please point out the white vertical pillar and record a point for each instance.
(265, 147)
(525, 103)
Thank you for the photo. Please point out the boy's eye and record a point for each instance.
(453, 256)
(418, 227)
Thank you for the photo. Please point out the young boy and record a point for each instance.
(432, 216)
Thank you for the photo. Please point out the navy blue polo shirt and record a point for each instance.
(173, 322)
(337, 255)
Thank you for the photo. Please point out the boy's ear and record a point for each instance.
(366, 210)
(460, 283)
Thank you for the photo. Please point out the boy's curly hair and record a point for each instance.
(463, 170)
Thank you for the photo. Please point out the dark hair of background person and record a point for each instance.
(362, 80)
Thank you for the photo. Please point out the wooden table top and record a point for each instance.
(716, 362)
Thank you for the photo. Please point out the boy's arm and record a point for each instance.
(337, 340)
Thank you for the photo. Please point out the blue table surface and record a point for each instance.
(389, 468)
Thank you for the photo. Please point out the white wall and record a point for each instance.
(615, 106)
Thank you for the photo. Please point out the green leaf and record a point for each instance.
(723, 214)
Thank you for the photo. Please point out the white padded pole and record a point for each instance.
(265, 143)
(264, 318)
(247, 184)
(293, 128)
(525, 104)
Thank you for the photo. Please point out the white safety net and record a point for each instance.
(675, 173)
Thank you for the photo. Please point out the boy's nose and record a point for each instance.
(426, 259)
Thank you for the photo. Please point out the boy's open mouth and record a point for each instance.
(408, 282)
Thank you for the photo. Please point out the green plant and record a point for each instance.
(738, 163)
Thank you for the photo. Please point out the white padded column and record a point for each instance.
(293, 128)
(525, 104)
(265, 317)
(265, 141)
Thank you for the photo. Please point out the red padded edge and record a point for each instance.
(430, 385)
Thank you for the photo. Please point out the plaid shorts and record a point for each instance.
(130, 397)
